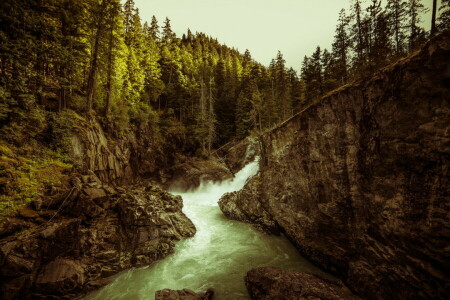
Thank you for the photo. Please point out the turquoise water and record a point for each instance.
(218, 256)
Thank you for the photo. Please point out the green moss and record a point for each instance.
(23, 178)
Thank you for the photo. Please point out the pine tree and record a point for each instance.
(374, 10)
(113, 12)
(168, 35)
(359, 37)
(281, 83)
(341, 47)
(444, 15)
(397, 13)
(329, 71)
(382, 47)
(416, 33)
(99, 28)
(154, 29)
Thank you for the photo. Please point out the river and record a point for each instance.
(218, 256)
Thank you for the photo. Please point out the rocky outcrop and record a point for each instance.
(68, 244)
(122, 159)
(272, 283)
(360, 181)
(237, 154)
(93, 151)
(183, 295)
(193, 171)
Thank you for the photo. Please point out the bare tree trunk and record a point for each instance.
(110, 62)
(94, 62)
(433, 18)
(202, 110)
(210, 117)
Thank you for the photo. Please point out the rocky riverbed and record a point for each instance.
(71, 243)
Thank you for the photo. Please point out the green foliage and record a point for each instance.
(367, 38)
(23, 179)
(61, 127)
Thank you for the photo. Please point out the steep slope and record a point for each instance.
(66, 242)
(359, 182)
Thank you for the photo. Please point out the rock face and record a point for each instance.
(86, 235)
(272, 283)
(360, 181)
(193, 171)
(237, 154)
(117, 160)
(183, 295)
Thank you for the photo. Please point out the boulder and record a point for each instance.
(272, 283)
(193, 171)
(184, 294)
(61, 276)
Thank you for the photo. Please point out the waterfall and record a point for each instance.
(218, 256)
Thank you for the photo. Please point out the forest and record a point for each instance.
(138, 161)
(62, 61)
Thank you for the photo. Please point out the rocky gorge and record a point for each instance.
(359, 182)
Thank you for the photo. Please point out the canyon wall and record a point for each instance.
(359, 182)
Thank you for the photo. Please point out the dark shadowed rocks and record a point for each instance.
(237, 154)
(185, 294)
(360, 183)
(193, 171)
(272, 283)
(71, 244)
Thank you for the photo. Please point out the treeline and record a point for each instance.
(96, 56)
(369, 36)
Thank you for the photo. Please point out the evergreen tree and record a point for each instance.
(341, 47)
(416, 33)
(397, 12)
(154, 29)
(168, 35)
(444, 15)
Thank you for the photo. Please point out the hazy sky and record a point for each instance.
(295, 27)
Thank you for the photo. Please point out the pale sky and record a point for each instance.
(295, 27)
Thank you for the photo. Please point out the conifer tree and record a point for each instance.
(154, 29)
(341, 47)
(444, 15)
(397, 12)
(416, 33)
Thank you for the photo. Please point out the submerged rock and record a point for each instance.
(96, 234)
(359, 181)
(272, 283)
(185, 294)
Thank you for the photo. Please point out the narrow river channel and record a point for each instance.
(218, 256)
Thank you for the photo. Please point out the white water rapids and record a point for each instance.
(218, 256)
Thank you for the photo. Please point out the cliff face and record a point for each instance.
(116, 160)
(359, 182)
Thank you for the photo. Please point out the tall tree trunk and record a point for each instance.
(110, 63)
(94, 61)
(433, 18)
(210, 117)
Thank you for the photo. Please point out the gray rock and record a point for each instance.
(272, 283)
(60, 277)
(185, 294)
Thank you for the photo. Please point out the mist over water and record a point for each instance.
(218, 256)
